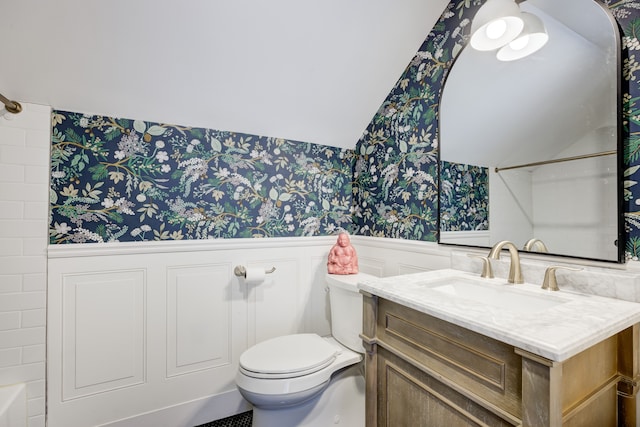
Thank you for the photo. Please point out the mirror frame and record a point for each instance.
(620, 241)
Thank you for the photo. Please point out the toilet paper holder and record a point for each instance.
(241, 271)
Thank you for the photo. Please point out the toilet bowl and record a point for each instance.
(308, 380)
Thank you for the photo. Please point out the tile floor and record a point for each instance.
(241, 420)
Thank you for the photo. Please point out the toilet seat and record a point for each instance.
(288, 356)
(266, 387)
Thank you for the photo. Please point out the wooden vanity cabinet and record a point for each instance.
(425, 372)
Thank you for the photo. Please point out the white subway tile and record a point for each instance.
(10, 357)
(21, 338)
(23, 265)
(11, 209)
(38, 112)
(12, 136)
(10, 320)
(35, 406)
(38, 138)
(38, 421)
(32, 117)
(23, 192)
(37, 210)
(12, 155)
(38, 117)
(22, 373)
(23, 301)
(34, 282)
(32, 318)
(36, 388)
(34, 246)
(12, 173)
(10, 283)
(10, 246)
(22, 228)
(34, 353)
(36, 174)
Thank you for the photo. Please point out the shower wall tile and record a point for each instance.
(12, 173)
(24, 176)
(10, 357)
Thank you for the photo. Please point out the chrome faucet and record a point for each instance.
(515, 272)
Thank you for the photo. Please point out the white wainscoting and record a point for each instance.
(150, 334)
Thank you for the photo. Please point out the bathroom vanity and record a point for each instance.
(448, 348)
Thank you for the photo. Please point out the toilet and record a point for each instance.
(305, 380)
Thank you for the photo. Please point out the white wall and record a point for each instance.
(24, 177)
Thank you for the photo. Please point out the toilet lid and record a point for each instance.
(288, 356)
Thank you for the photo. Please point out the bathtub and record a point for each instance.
(13, 406)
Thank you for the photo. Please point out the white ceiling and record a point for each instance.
(313, 71)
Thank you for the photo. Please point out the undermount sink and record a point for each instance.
(484, 291)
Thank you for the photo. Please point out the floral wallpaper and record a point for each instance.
(464, 197)
(627, 13)
(395, 177)
(395, 192)
(115, 179)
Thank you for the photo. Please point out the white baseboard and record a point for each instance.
(190, 414)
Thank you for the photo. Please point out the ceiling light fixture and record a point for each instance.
(496, 23)
(532, 38)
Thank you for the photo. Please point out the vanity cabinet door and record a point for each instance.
(478, 364)
(407, 396)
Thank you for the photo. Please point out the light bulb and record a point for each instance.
(496, 29)
(520, 42)
(495, 24)
(533, 37)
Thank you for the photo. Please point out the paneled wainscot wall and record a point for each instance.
(150, 334)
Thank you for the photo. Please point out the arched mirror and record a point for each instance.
(531, 148)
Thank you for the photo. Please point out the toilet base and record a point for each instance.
(340, 404)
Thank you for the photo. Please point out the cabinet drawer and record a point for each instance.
(487, 368)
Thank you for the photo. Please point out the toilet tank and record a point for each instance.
(345, 302)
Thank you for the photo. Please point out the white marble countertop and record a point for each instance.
(556, 333)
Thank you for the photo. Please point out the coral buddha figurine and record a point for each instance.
(342, 257)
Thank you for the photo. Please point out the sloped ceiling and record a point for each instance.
(313, 71)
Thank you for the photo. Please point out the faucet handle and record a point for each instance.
(487, 271)
(550, 282)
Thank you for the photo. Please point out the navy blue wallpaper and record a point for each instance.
(464, 197)
(116, 179)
